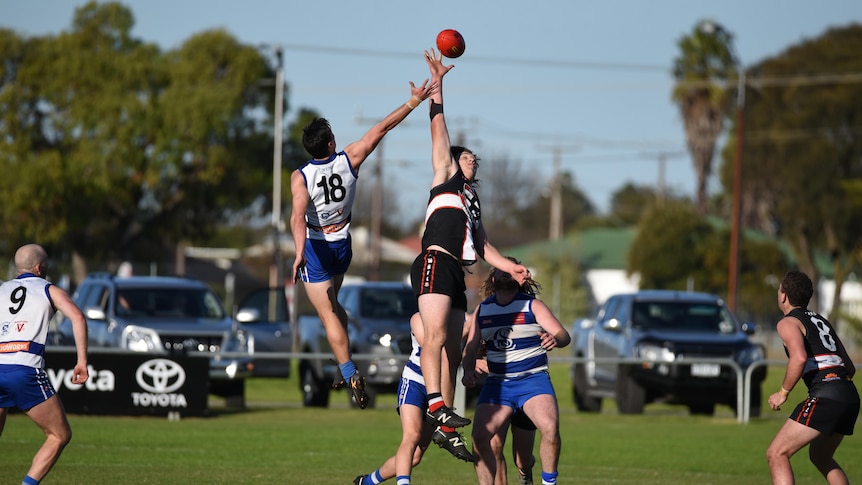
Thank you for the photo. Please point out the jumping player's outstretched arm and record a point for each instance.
(493, 257)
(441, 158)
(359, 150)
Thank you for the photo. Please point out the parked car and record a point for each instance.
(378, 324)
(264, 315)
(660, 327)
(166, 315)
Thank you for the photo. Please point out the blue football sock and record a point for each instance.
(347, 369)
(402, 480)
(549, 478)
(375, 478)
(28, 480)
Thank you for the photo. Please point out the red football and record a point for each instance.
(451, 43)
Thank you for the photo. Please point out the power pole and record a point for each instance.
(661, 183)
(276, 275)
(736, 216)
(555, 226)
(376, 216)
(662, 190)
(375, 236)
(276, 270)
(555, 229)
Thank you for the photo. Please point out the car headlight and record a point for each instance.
(140, 339)
(385, 340)
(655, 353)
(239, 341)
(749, 355)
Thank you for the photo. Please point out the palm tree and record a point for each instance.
(705, 65)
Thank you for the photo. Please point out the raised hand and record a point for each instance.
(435, 64)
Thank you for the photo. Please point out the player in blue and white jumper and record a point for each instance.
(518, 330)
(27, 304)
(323, 193)
(416, 432)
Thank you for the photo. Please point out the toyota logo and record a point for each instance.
(160, 376)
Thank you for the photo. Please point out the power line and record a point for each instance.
(507, 60)
(806, 79)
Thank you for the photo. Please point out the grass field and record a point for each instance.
(276, 441)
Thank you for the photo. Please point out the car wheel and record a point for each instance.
(702, 408)
(315, 393)
(631, 397)
(232, 391)
(583, 401)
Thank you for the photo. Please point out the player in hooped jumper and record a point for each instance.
(518, 330)
(453, 237)
(817, 356)
(323, 193)
(27, 304)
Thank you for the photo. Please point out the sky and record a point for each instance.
(588, 81)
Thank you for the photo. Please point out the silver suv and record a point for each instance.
(378, 324)
(166, 315)
(657, 345)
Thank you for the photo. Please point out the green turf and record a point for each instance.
(278, 442)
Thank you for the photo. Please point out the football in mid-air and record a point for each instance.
(451, 43)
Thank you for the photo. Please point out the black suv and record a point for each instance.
(635, 345)
(162, 314)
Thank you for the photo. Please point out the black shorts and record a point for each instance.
(437, 272)
(521, 420)
(827, 415)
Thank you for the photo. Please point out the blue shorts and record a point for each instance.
(514, 392)
(23, 387)
(412, 392)
(325, 259)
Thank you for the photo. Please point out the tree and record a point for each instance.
(705, 61)
(667, 249)
(117, 148)
(676, 248)
(629, 203)
(803, 158)
(563, 288)
(532, 221)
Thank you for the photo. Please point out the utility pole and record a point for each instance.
(713, 28)
(555, 226)
(662, 190)
(276, 276)
(661, 182)
(733, 270)
(376, 216)
(375, 235)
(555, 229)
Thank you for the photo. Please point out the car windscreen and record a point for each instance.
(682, 316)
(388, 303)
(262, 299)
(168, 303)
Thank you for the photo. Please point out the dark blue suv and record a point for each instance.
(656, 345)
